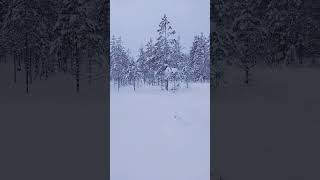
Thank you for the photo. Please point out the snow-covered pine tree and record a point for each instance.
(133, 74)
(290, 28)
(119, 61)
(94, 40)
(176, 53)
(78, 30)
(249, 36)
(163, 49)
(141, 65)
(112, 57)
(49, 13)
(218, 63)
(3, 11)
(178, 59)
(200, 58)
(150, 63)
(185, 71)
(24, 31)
(222, 46)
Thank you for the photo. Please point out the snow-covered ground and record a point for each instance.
(53, 131)
(160, 135)
(269, 130)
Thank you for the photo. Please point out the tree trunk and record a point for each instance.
(15, 67)
(118, 84)
(90, 70)
(134, 84)
(30, 68)
(300, 60)
(46, 70)
(77, 70)
(247, 75)
(26, 64)
(19, 62)
(167, 84)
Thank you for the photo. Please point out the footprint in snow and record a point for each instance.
(180, 120)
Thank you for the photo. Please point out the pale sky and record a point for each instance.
(136, 21)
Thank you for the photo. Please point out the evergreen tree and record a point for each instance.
(150, 63)
(163, 49)
(78, 30)
(119, 61)
(249, 36)
(24, 31)
(141, 64)
(133, 73)
(200, 58)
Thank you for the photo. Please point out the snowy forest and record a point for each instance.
(265, 74)
(40, 39)
(262, 33)
(161, 62)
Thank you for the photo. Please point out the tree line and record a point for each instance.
(273, 33)
(161, 61)
(44, 37)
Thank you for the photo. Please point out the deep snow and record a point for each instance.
(160, 135)
(52, 133)
(269, 130)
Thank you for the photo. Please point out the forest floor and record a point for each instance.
(271, 129)
(160, 135)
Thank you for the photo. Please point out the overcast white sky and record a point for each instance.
(136, 21)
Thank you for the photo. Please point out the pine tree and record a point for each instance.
(163, 49)
(176, 55)
(200, 58)
(133, 73)
(24, 32)
(119, 61)
(218, 66)
(141, 64)
(249, 35)
(150, 63)
(3, 11)
(221, 45)
(78, 29)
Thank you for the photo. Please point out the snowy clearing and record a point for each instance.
(160, 135)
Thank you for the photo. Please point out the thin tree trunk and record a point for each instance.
(26, 64)
(19, 61)
(247, 75)
(77, 70)
(167, 84)
(118, 84)
(30, 68)
(46, 70)
(15, 67)
(90, 70)
(134, 84)
(300, 60)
